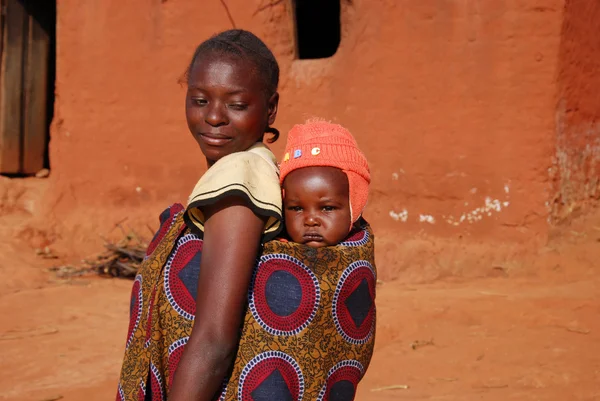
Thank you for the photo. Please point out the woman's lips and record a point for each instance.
(214, 139)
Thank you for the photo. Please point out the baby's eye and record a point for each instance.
(328, 208)
(295, 208)
(199, 102)
(238, 106)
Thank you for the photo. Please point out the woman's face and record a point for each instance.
(226, 107)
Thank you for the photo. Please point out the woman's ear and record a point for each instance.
(273, 106)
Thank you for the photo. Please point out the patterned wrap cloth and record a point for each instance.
(308, 332)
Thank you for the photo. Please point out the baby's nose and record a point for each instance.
(311, 221)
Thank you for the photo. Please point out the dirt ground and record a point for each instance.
(513, 336)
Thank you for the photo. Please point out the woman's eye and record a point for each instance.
(238, 106)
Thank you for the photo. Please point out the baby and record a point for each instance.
(325, 180)
(309, 331)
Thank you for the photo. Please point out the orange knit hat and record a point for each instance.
(320, 143)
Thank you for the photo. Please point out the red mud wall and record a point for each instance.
(453, 102)
(577, 165)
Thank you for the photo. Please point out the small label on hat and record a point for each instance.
(286, 157)
(315, 151)
(297, 153)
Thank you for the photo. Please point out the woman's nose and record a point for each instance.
(216, 115)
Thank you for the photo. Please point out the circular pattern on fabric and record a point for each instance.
(149, 319)
(284, 295)
(166, 218)
(342, 381)
(181, 275)
(175, 352)
(272, 375)
(354, 303)
(359, 238)
(142, 391)
(120, 394)
(135, 308)
(156, 384)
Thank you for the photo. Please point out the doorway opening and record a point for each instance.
(28, 62)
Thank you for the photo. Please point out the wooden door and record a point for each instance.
(24, 66)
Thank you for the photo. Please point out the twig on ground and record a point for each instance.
(17, 335)
(446, 379)
(577, 330)
(392, 387)
(418, 344)
(53, 398)
(121, 259)
(45, 253)
(492, 386)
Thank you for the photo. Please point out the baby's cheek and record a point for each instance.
(291, 227)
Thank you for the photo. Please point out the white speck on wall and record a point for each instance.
(402, 216)
(29, 205)
(426, 218)
(395, 176)
(138, 189)
(490, 206)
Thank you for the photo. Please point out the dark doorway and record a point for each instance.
(28, 62)
(318, 28)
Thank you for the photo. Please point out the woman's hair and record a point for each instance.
(246, 45)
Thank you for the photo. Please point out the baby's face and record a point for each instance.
(317, 206)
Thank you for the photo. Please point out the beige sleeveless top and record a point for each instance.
(252, 175)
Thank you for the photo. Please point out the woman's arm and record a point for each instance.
(232, 235)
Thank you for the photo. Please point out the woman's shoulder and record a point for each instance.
(253, 171)
(252, 175)
(259, 153)
(262, 150)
